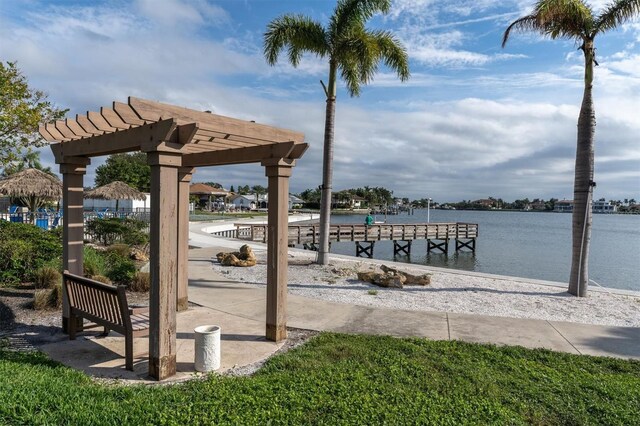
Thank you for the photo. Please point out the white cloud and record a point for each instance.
(180, 13)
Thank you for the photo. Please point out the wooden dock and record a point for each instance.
(438, 235)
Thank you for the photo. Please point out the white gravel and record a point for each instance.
(455, 292)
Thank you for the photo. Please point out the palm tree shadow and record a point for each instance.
(619, 341)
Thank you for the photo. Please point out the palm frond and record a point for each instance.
(350, 12)
(527, 23)
(572, 19)
(615, 14)
(360, 53)
(297, 32)
(392, 53)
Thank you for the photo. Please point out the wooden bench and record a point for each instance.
(105, 305)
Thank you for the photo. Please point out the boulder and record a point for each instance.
(410, 279)
(391, 277)
(244, 257)
(139, 255)
(382, 280)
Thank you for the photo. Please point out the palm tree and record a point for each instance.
(353, 51)
(575, 20)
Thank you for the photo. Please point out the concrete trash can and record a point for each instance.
(207, 348)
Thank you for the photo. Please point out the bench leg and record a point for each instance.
(105, 332)
(73, 321)
(128, 351)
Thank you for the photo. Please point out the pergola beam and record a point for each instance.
(254, 154)
(149, 110)
(116, 142)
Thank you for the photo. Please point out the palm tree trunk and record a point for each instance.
(583, 184)
(327, 167)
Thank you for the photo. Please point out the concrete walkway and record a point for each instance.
(240, 311)
(229, 298)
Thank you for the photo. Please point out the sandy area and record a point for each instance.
(455, 292)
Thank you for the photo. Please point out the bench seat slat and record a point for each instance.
(139, 322)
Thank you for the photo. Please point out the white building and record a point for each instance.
(602, 206)
(250, 202)
(123, 205)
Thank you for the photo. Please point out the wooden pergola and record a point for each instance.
(176, 140)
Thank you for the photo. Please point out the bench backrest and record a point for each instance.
(98, 302)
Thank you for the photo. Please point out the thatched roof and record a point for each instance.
(31, 183)
(116, 190)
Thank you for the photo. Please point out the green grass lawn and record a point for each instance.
(341, 379)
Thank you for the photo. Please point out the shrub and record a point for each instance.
(24, 248)
(141, 282)
(120, 269)
(48, 298)
(112, 229)
(101, 279)
(95, 262)
(55, 298)
(41, 299)
(47, 277)
(121, 250)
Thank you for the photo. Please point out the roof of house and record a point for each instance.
(202, 189)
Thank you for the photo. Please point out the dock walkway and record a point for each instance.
(438, 235)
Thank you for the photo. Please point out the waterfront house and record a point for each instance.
(347, 200)
(485, 202)
(537, 205)
(602, 206)
(246, 201)
(563, 206)
(251, 202)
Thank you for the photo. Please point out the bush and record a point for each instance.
(122, 250)
(95, 262)
(49, 298)
(41, 299)
(141, 282)
(24, 248)
(47, 277)
(120, 269)
(101, 279)
(109, 230)
(112, 265)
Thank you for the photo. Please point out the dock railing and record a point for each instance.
(309, 234)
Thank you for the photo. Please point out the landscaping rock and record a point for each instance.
(245, 257)
(139, 255)
(391, 277)
(382, 280)
(410, 279)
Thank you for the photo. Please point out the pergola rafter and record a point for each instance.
(176, 140)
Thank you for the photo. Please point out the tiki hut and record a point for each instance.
(116, 190)
(33, 187)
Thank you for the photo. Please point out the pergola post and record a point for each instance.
(73, 171)
(184, 179)
(163, 263)
(278, 172)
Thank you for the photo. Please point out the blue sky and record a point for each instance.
(474, 120)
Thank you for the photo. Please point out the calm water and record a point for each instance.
(532, 245)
